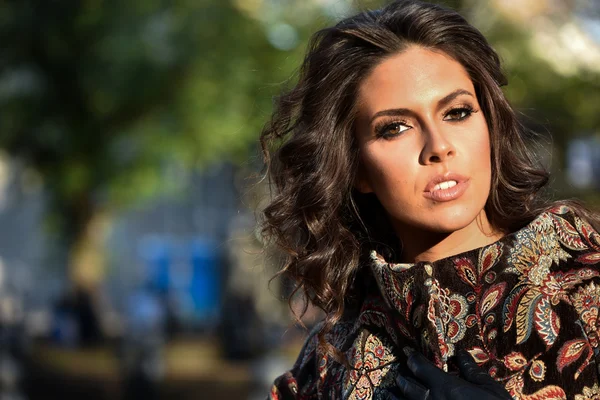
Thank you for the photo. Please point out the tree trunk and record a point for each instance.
(87, 261)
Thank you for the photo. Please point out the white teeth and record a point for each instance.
(444, 185)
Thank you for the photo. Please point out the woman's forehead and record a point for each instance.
(413, 78)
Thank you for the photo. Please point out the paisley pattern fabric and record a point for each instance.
(526, 308)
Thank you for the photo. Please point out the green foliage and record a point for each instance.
(566, 105)
(102, 97)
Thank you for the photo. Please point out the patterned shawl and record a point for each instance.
(526, 308)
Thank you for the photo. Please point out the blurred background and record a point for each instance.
(130, 263)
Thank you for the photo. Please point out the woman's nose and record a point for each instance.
(438, 147)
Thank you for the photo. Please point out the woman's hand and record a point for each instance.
(435, 384)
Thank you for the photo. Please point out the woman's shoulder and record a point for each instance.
(575, 226)
(313, 365)
(572, 210)
(565, 233)
(300, 380)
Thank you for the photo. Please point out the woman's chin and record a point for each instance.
(448, 223)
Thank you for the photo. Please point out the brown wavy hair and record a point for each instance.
(325, 226)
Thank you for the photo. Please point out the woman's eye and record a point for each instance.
(458, 114)
(392, 130)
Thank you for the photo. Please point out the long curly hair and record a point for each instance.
(325, 226)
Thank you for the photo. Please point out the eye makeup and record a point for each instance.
(388, 129)
(392, 127)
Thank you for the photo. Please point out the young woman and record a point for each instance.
(407, 202)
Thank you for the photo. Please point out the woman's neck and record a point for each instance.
(418, 245)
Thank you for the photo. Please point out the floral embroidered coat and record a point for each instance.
(526, 308)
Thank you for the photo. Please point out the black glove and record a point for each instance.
(435, 384)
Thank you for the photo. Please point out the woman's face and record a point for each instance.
(424, 143)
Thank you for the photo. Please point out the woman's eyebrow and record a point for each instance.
(392, 112)
(443, 102)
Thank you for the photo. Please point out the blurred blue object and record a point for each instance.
(186, 271)
(205, 287)
(65, 331)
(583, 162)
(145, 313)
(157, 253)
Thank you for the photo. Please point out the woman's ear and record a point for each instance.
(361, 182)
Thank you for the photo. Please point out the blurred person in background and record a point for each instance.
(409, 203)
(142, 347)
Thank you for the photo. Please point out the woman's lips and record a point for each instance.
(446, 188)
